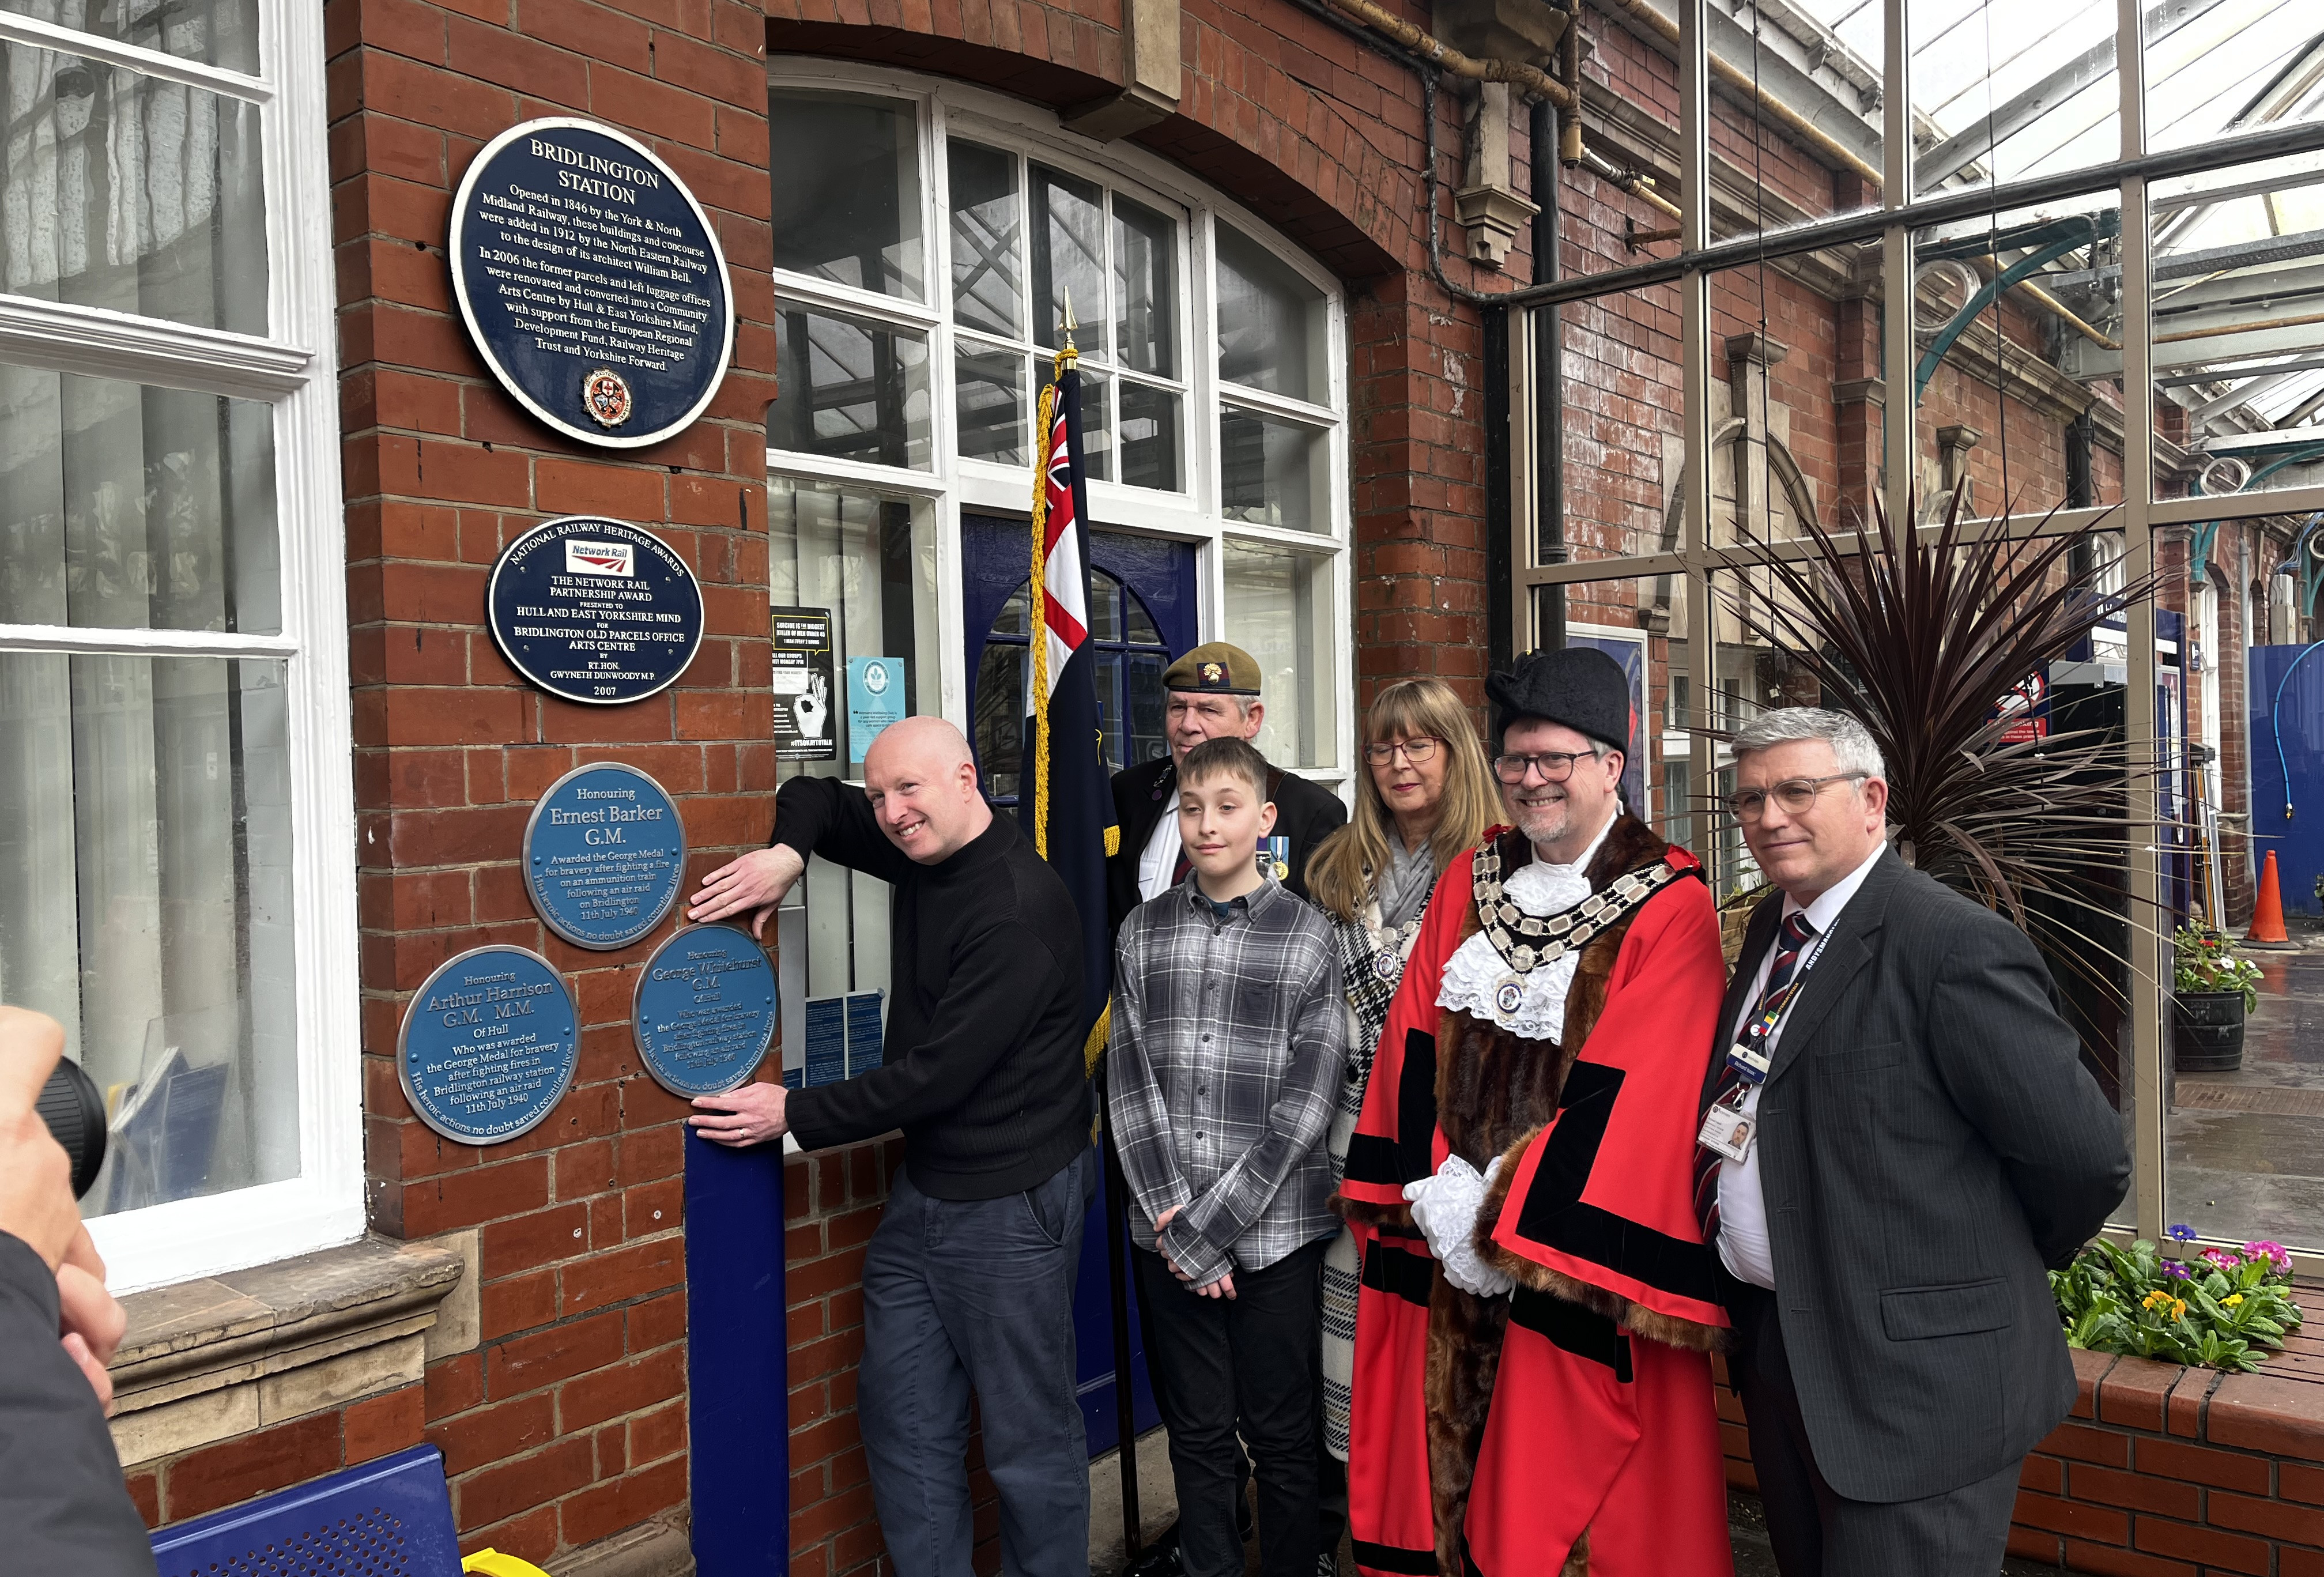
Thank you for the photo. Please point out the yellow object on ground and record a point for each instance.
(492, 1563)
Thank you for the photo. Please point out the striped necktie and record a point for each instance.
(1791, 943)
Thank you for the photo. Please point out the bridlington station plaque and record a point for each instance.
(591, 282)
(596, 611)
(705, 1010)
(489, 1045)
(605, 856)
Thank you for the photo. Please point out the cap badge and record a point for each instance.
(1215, 673)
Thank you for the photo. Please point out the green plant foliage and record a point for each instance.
(2226, 1309)
(2206, 961)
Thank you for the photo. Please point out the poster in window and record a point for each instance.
(1629, 650)
(875, 698)
(802, 676)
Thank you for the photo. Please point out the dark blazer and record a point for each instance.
(1143, 794)
(1929, 1142)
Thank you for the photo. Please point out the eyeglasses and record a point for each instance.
(1415, 750)
(1794, 794)
(1554, 766)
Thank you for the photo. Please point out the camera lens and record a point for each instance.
(75, 1113)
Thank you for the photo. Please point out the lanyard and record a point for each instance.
(1749, 1056)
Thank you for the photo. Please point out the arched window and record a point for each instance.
(1130, 657)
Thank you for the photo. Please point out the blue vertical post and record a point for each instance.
(738, 1402)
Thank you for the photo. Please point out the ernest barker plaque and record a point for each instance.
(489, 1045)
(605, 856)
(594, 610)
(592, 283)
(705, 1009)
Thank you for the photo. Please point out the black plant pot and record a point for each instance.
(2207, 1031)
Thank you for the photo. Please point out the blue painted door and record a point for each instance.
(1143, 615)
(2286, 751)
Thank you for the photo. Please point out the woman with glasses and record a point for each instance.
(1425, 797)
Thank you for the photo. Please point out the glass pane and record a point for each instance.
(989, 397)
(1108, 679)
(1068, 256)
(1280, 608)
(125, 507)
(2013, 90)
(1147, 701)
(1149, 438)
(1271, 321)
(146, 904)
(132, 194)
(216, 33)
(1791, 176)
(847, 189)
(1105, 606)
(856, 390)
(1795, 418)
(1273, 473)
(1000, 717)
(988, 283)
(1142, 631)
(1630, 621)
(1016, 612)
(2238, 355)
(1097, 425)
(1624, 435)
(1145, 288)
(2238, 66)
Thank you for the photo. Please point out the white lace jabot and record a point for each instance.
(1475, 970)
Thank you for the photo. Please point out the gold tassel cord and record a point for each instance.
(1040, 624)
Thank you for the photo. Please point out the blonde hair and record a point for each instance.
(1341, 872)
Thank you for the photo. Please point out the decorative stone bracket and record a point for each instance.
(1488, 204)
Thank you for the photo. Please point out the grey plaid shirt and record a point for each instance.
(1228, 1041)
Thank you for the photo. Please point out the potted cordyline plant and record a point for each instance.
(2212, 987)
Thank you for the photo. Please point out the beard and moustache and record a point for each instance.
(1547, 822)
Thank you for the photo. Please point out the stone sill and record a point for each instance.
(211, 1359)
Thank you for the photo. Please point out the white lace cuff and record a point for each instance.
(1444, 1208)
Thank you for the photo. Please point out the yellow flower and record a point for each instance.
(2231, 1300)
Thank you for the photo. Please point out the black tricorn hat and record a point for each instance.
(1578, 686)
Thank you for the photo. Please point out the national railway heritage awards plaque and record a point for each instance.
(605, 856)
(591, 282)
(489, 1045)
(594, 610)
(705, 1010)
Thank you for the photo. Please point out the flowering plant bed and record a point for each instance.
(2205, 960)
(2224, 1310)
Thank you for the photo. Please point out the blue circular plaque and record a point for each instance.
(489, 1045)
(594, 610)
(605, 856)
(591, 282)
(705, 1009)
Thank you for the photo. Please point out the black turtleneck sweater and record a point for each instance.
(982, 1065)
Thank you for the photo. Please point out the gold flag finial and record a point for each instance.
(1070, 324)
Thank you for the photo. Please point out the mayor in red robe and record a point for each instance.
(1533, 1386)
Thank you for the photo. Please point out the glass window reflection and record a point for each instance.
(847, 189)
(987, 239)
(858, 391)
(1271, 321)
(1068, 256)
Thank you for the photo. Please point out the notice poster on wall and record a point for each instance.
(875, 698)
(802, 684)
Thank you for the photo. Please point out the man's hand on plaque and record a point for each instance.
(757, 881)
(752, 1115)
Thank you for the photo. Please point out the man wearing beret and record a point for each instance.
(1533, 1387)
(1214, 693)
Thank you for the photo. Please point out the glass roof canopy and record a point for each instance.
(2005, 92)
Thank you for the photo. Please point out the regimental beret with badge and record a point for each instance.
(1213, 668)
(1578, 687)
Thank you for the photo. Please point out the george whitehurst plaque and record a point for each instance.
(605, 856)
(705, 1010)
(596, 611)
(489, 1045)
(592, 283)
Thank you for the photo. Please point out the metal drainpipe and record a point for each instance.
(1548, 379)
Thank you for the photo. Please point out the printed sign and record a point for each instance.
(802, 683)
(592, 283)
(843, 1039)
(704, 1011)
(594, 610)
(605, 856)
(489, 1045)
(875, 698)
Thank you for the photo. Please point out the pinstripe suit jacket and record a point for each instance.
(1929, 1142)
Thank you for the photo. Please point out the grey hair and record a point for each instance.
(1852, 745)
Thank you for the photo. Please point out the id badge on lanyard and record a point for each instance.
(1727, 1132)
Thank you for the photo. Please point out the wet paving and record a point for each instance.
(2244, 1152)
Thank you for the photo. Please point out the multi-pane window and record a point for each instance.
(174, 809)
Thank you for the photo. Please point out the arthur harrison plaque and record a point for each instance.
(705, 1010)
(596, 611)
(489, 1045)
(605, 856)
(592, 283)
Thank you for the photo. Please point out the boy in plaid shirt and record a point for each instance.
(1227, 1045)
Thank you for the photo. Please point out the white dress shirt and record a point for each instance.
(1743, 1243)
(1159, 863)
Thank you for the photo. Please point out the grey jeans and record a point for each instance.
(962, 1294)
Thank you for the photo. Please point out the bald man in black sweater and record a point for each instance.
(968, 1281)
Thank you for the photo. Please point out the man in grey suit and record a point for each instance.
(1898, 1138)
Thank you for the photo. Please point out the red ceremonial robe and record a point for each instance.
(1573, 1421)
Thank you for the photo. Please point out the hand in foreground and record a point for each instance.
(1223, 1288)
(36, 1199)
(757, 881)
(92, 1323)
(750, 1115)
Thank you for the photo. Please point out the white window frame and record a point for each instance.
(293, 368)
(944, 109)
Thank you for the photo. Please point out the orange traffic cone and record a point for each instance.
(2267, 915)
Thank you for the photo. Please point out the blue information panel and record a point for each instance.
(489, 1045)
(592, 283)
(605, 856)
(594, 610)
(705, 1010)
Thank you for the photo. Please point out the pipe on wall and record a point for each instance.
(1548, 377)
